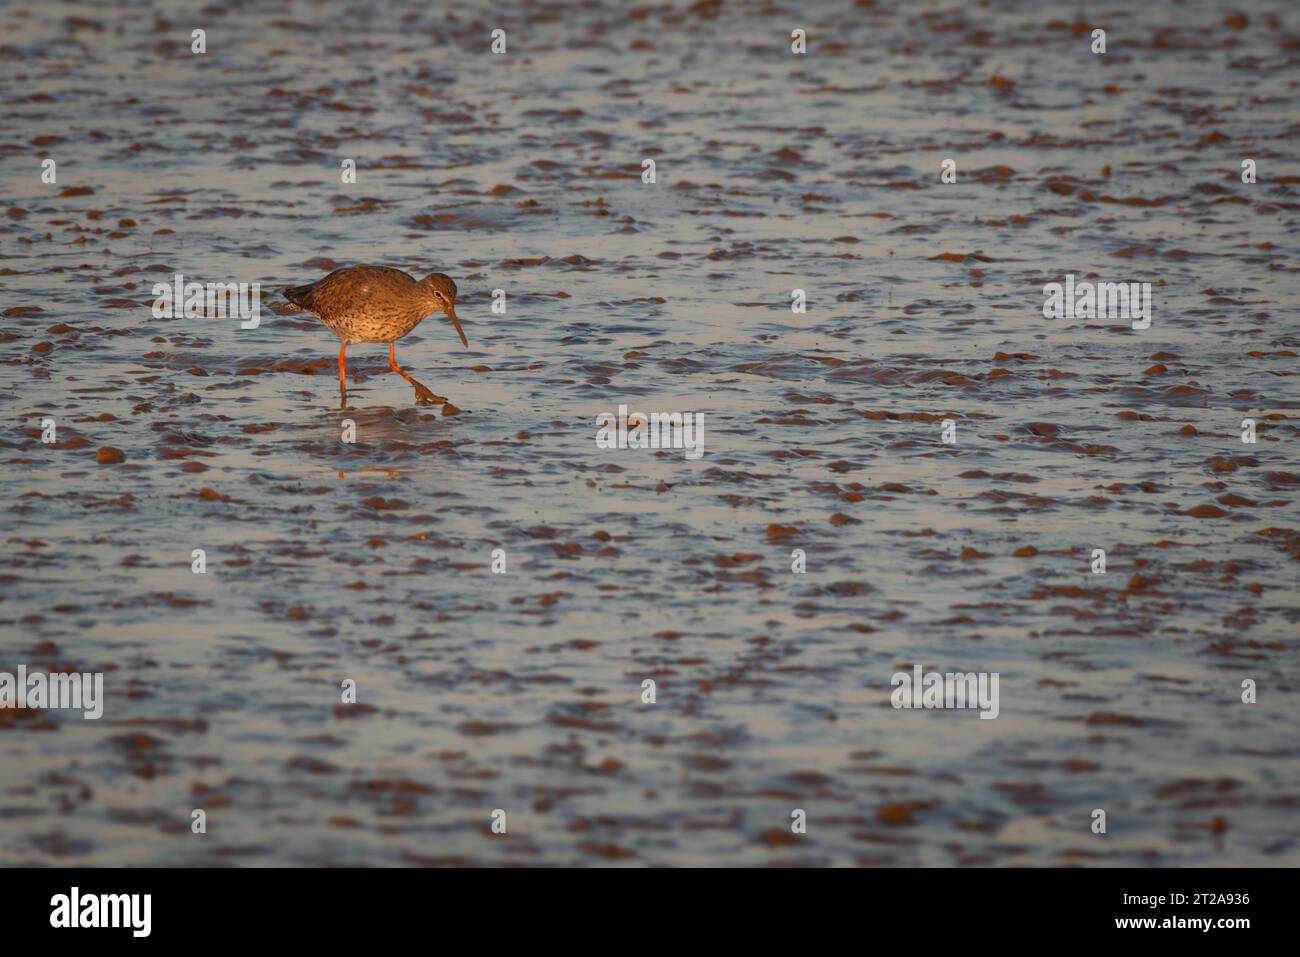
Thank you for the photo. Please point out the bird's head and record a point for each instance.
(441, 292)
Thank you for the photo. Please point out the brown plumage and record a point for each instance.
(377, 304)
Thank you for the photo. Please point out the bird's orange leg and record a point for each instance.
(343, 380)
(422, 394)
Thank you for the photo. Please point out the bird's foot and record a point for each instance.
(424, 397)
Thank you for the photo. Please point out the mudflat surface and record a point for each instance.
(522, 691)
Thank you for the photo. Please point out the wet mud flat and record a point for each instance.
(522, 691)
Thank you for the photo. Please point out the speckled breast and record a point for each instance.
(373, 325)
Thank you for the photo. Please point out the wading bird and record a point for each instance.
(377, 304)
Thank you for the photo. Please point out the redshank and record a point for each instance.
(377, 304)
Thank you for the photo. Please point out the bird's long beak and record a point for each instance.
(451, 314)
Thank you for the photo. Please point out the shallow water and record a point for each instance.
(522, 691)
